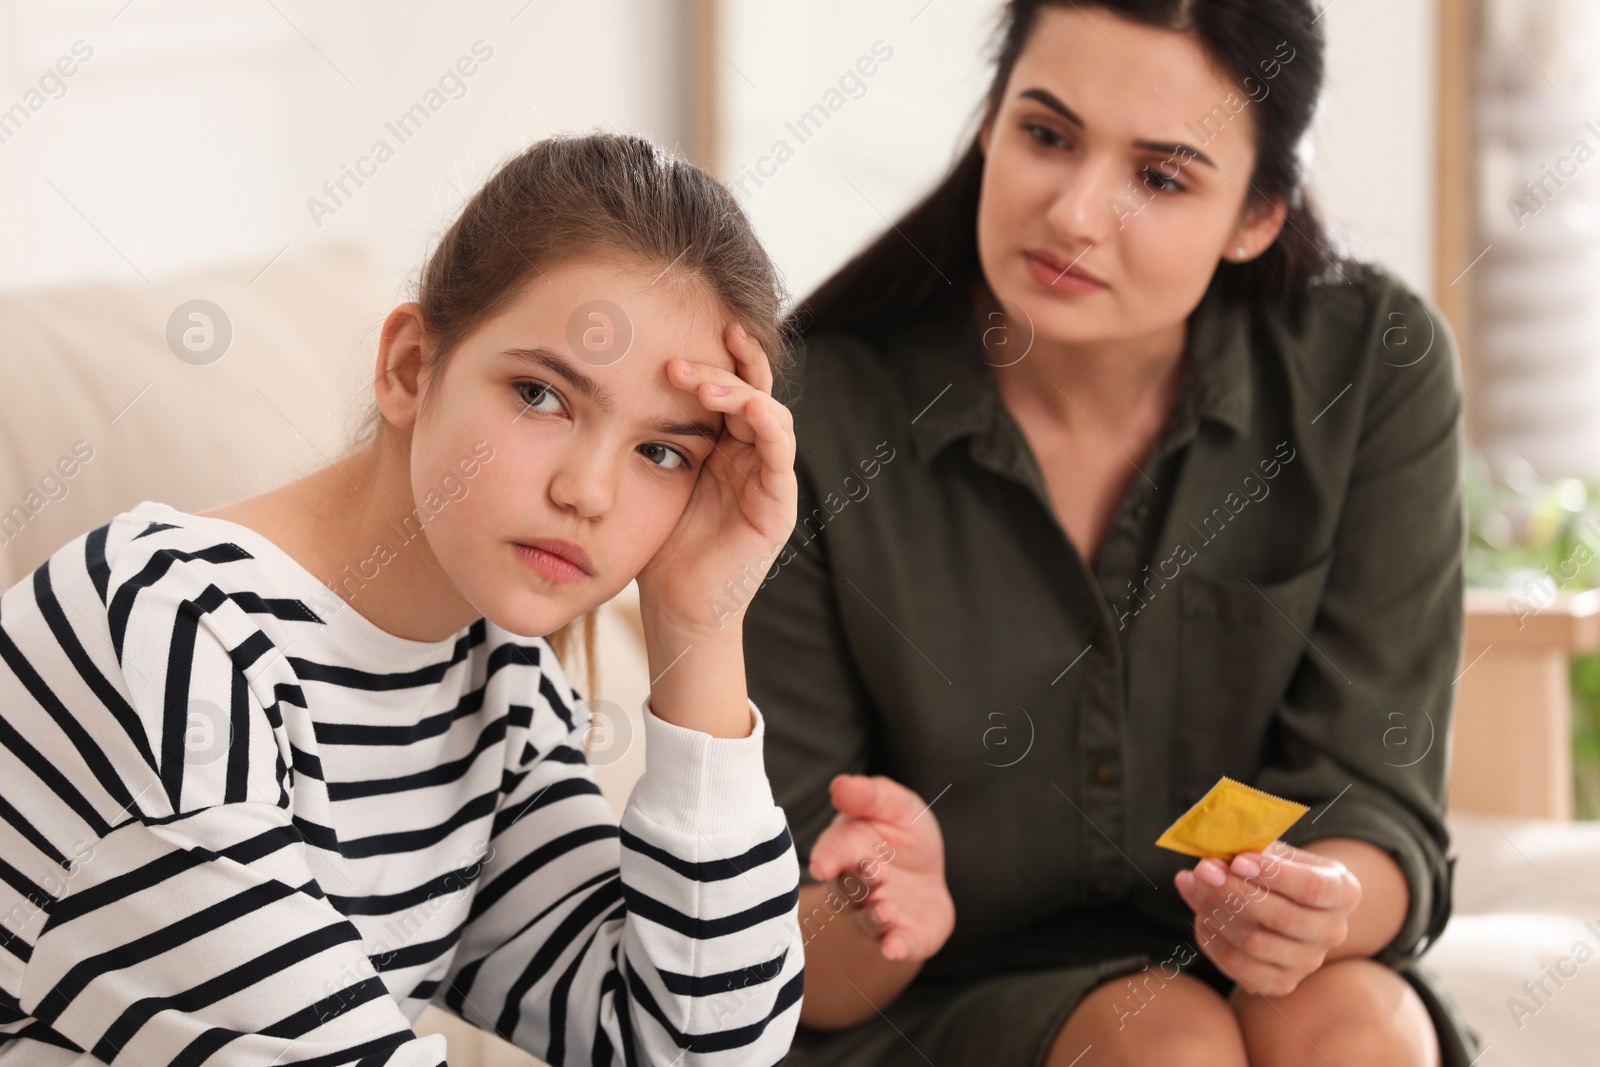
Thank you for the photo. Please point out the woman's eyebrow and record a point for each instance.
(1174, 149)
(1050, 100)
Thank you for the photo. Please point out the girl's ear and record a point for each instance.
(397, 379)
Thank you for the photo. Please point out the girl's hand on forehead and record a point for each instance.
(750, 361)
(752, 373)
(742, 508)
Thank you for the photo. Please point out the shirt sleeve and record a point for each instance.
(194, 925)
(672, 939)
(802, 672)
(1363, 732)
(209, 935)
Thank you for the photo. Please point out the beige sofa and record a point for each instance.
(90, 384)
(98, 412)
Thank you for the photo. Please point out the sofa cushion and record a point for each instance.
(100, 410)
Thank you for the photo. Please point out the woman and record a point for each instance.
(1116, 478)
(278, 775)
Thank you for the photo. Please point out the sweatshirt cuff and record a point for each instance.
(698, 784)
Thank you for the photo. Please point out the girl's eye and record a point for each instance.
(536, 394)
(666, 458)
(1045, 135)
(1154, 179)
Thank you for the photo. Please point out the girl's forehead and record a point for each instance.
(608, 335)
(613, 311)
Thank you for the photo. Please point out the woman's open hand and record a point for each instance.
(742, 508)
(1269, 919)
(886, 838)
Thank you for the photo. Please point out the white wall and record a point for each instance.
(196, 131)
(1373, 163)
(876, 154)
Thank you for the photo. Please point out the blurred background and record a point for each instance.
(280, 169)
(196, 133)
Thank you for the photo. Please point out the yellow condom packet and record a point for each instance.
(1231, 818)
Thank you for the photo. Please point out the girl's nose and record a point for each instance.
(585, 481)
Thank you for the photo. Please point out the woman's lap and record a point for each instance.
(1004, 1021)
(1010, 1020)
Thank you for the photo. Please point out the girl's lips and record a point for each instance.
(1052, 277)
(550, 566)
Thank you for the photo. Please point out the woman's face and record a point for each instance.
(588, 443)
(1138, 188)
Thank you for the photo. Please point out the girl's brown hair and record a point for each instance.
(597, 194)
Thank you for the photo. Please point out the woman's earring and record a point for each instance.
(1240, 251)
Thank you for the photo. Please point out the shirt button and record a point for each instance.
(1105, 772)
(1103, 888)
(1101, 638)
(1141, 511)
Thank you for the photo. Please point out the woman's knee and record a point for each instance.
(1136, 1019)
(1349, 1010)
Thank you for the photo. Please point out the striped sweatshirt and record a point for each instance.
(242, 824)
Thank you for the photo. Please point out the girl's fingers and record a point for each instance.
(767, 494)
(739, 412)
(774, 431)
(716, 390)
(690, 375)
(750, 357)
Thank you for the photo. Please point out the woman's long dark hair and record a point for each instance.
(930, 254)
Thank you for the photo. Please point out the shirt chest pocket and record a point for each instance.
(1239, 644)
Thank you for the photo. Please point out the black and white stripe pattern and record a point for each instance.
(240, 824)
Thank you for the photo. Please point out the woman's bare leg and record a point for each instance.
(1173, 1022)
(1350, 1012)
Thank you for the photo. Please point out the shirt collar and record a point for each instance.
(953, 393)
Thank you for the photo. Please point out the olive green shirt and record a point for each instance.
(1278, 600)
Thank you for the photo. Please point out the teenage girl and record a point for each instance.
(275, 776)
